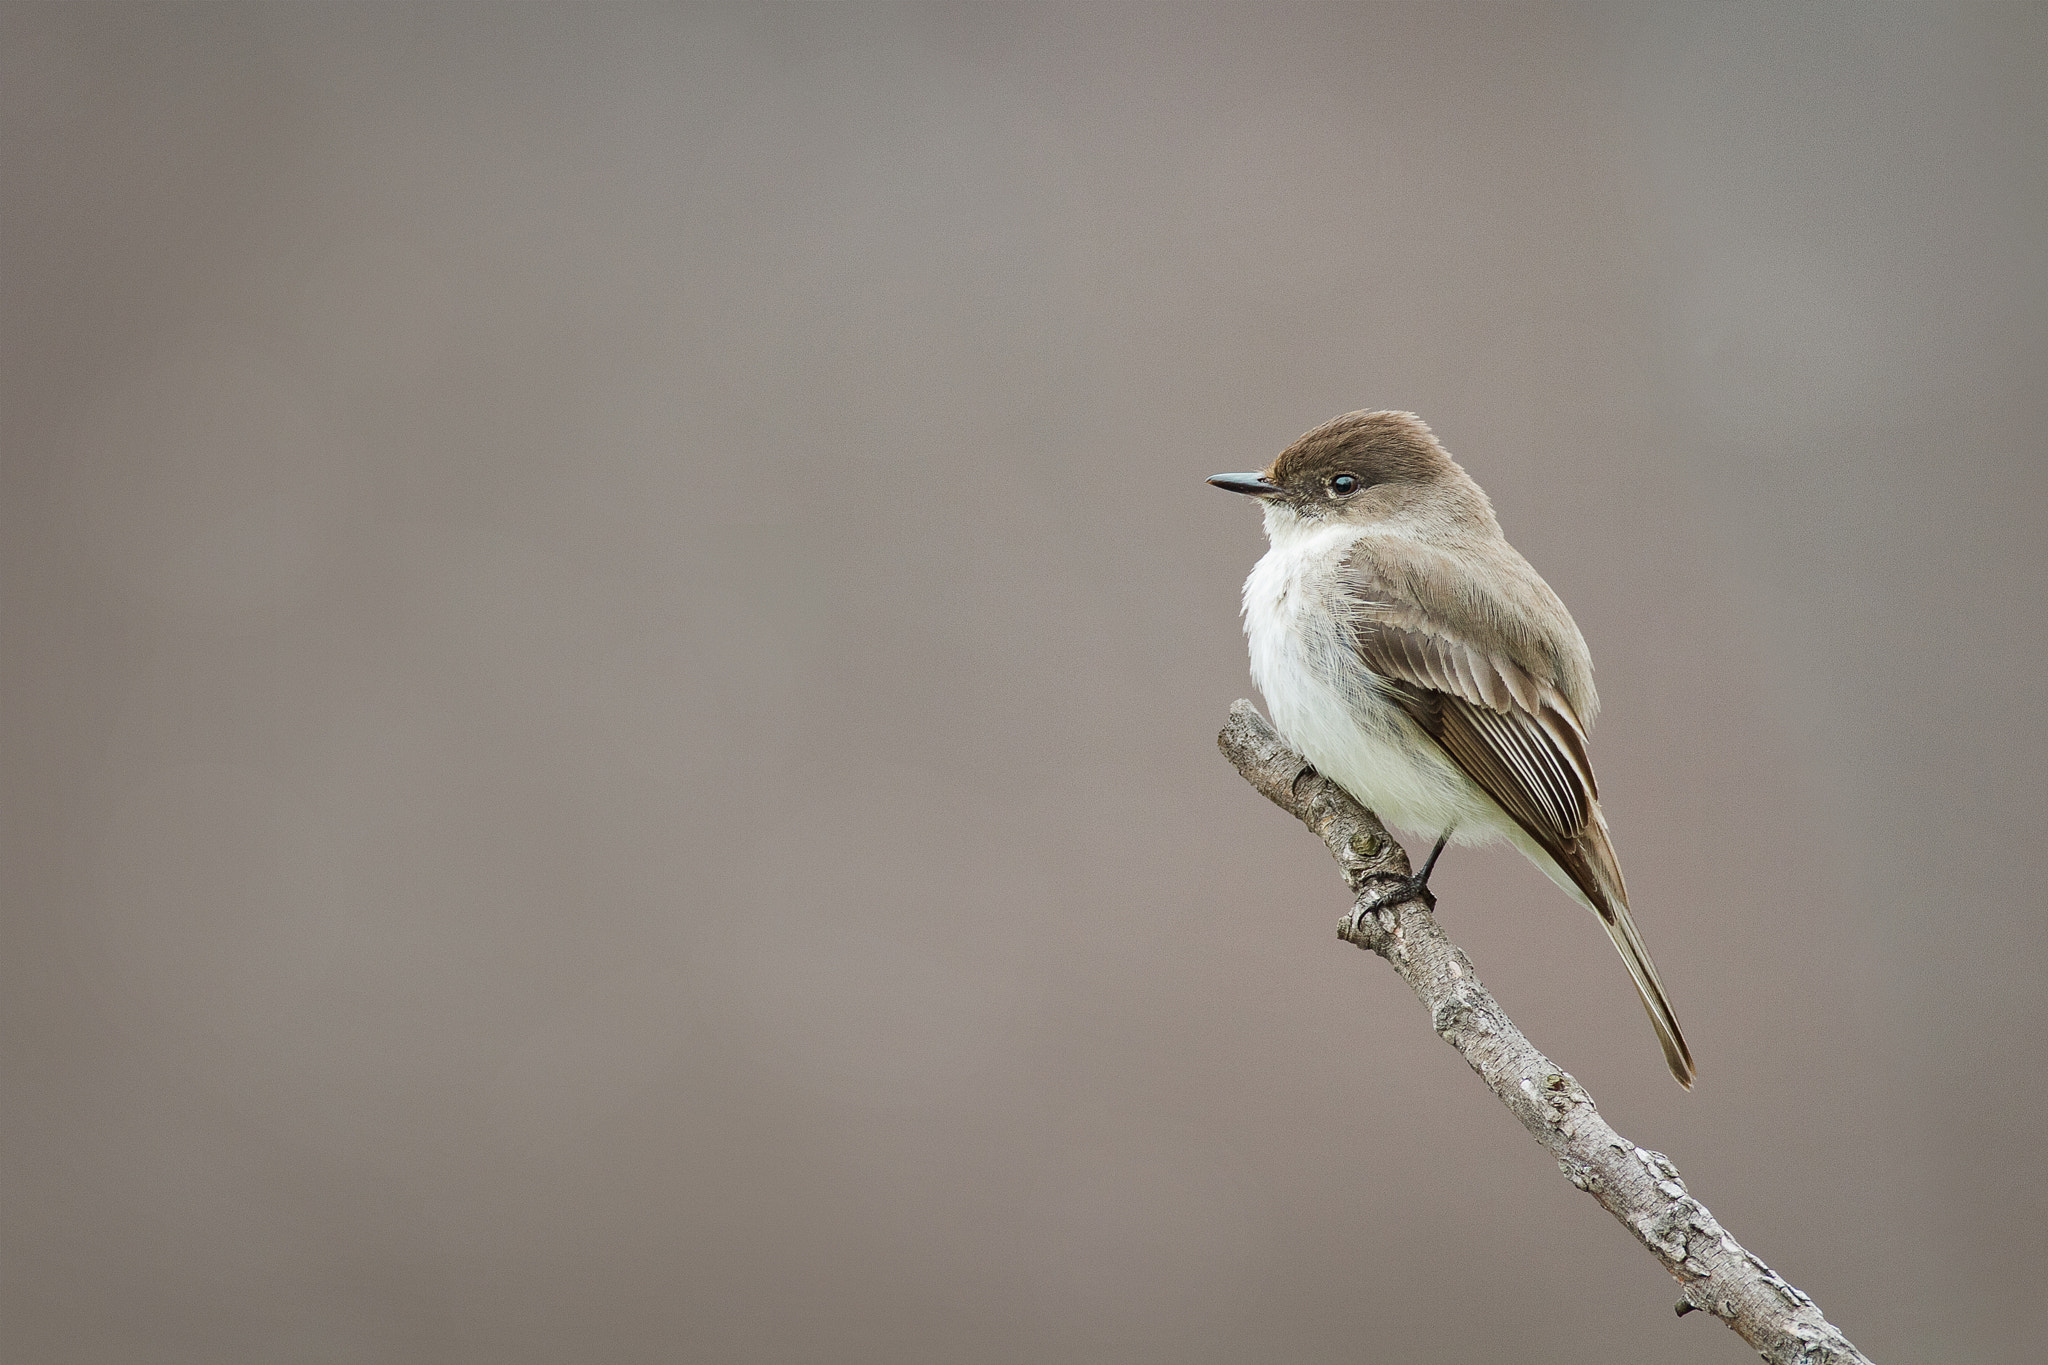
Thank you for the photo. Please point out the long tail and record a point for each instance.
(1612, 907)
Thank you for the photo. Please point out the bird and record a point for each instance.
(1414, 657)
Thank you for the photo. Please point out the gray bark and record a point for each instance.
(1639, 1187)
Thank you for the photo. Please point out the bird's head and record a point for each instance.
(1360, 469)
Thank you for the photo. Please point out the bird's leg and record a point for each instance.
(1411, 888)
(1421, 879)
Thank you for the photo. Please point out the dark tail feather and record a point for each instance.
(1622, 930)
(1612, 907)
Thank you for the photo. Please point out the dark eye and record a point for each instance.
(1344, 485)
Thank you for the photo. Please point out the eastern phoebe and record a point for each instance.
(1415, 658)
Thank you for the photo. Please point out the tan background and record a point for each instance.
(614, 638)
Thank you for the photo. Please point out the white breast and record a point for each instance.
(1329, 706)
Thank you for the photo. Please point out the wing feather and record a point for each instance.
(1531, 761)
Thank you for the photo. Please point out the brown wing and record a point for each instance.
(1511, 734)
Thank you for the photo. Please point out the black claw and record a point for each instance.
(1400, 890)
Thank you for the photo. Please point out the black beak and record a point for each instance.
(1245, 483)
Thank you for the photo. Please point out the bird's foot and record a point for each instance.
(1399, 891)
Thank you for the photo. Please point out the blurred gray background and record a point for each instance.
(613, 643)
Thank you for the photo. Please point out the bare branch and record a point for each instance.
(1637, 1186)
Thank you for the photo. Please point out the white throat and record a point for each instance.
(1298, 537)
